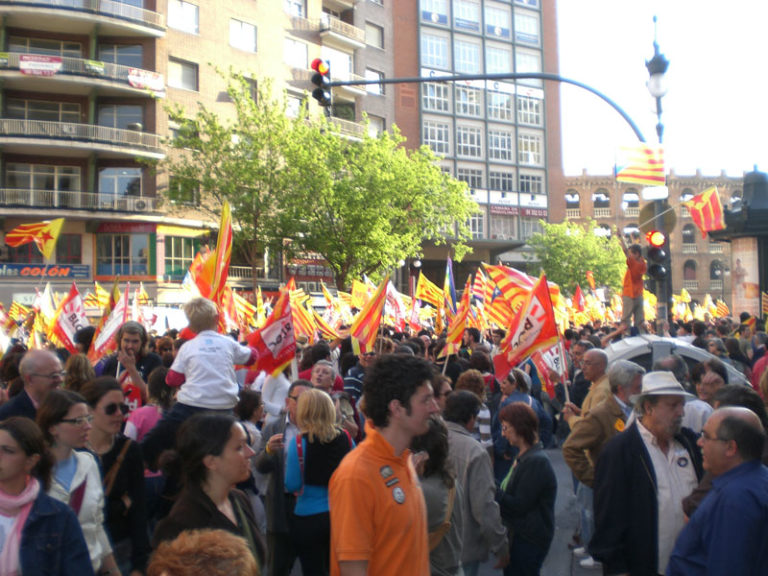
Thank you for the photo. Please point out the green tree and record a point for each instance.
(299, 185)
(567, 251)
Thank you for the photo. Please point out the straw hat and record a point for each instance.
(661, 384)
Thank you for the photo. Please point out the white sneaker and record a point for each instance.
(589, 562)
(580, 551)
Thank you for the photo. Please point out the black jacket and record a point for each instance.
(626, 515)
(278, 504)
(19, 405)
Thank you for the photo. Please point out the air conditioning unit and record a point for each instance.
(141, 205)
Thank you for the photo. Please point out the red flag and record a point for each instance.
(70, 317)
(534, 328)
(591, 280)
(114, 316)
(366, 323)
(706, 211)
(43, 234)
(578, 299)
(275, 341)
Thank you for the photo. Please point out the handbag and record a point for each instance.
(436, 536)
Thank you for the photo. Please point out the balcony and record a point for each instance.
(349, 92)
(79, 76)
(715, 247)
(572, 213)
(352, 130)
(632, 212)
(109, 17)
(76, 200)
(690, 249)
(691, 284)
(28, 135)
(715, 285)
(602, 212)
(340, 33)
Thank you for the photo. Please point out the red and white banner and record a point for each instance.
(146, 80)
(275, 341)
(39, 65)
(70, 317)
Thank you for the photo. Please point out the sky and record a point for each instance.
(715, 113)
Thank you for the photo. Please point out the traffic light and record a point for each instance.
(658, 254)
(322, 80)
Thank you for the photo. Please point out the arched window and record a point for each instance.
(631, 232)
(572, 204)
(689, 234)
(684, 197)
(716, 270)
(689, 270)
(603, 231)
(601, 201)
(630, 202)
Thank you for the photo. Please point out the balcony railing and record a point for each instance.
(80, 132)
(690, 248)
(101, 7)
(602, 212)
(152, 82)
(715, 248)
(245, 273)
(715, 285)
(76, 200)
(631, 211)
(352, 129)
(572, 213)
(335, 26)
(691, 284)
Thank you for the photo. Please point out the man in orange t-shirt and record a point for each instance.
(632, 292)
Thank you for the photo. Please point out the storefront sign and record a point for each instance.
(74, 271)
(503, 210)
(125, 228)
(537, 212)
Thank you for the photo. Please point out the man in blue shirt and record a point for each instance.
(728, 533)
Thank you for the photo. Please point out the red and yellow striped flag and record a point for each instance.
(764, 303)
(458, 323)
(641, 164)
(513, 284)
(366, 324)
(428, 292)
(706, 211)
(43, 234)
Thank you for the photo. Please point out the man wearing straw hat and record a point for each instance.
(641, 479)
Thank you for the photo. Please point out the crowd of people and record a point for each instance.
(174, 455)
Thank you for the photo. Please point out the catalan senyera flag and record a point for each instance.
(427, 291)
(513, 284)
(478, 288)
(764, 303)
(43, 234)
(706, 211)
(459, 323)
(325, 329)
(532, 329)
(366, 324)
(722, 309)
(641, 164)
(275, 341)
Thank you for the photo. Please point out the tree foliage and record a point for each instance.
(300, 186)
(567, 251)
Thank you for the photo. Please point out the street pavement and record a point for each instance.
(560, 561)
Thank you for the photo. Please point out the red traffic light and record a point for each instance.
(656, 238)
(320, 66)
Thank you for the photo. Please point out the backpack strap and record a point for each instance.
(300, 454)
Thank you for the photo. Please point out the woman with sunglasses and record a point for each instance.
(64, 420)
(122, 469)
(42, 535)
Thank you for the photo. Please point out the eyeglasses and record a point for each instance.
(80, 421)
(110, 409)
(52, 375)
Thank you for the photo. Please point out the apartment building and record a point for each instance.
(85, 87)
(700, 265)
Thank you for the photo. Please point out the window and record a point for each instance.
(25, 254)
(434, 51)
(183, 16)
(376, 125)
(503, 226)
(526, 28)
(472, 176)
(503, 181)
(500, 106)
(529, 110)
(374, 88)
(120, 182)
(295, 54)
(529, 149)
(182, 74)
(45, 46)
(468, 101)
(467, 57)
(293, 106)
(528, 62)
(689, 234)
(498, 60)
(124, 54)
(341, 62)
(179, 253)
(42, 110)
(124, 254)
(497, 21)
(531, 184)
(466, 15)
(477, 226)
(295, 8)
(120, 115)
(43, 184)
(469, 142)
(435, 11)
(184, 192)
(500, 145)
(435, 97)
(530, 3)
(69, 249)
(435, 136)
(531, 226)
(374, 35)
(242, 35)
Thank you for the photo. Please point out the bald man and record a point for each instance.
(41, 372)
(728, 533)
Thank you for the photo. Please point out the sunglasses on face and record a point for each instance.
(110, 409)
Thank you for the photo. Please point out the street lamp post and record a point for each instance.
(657, 68)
